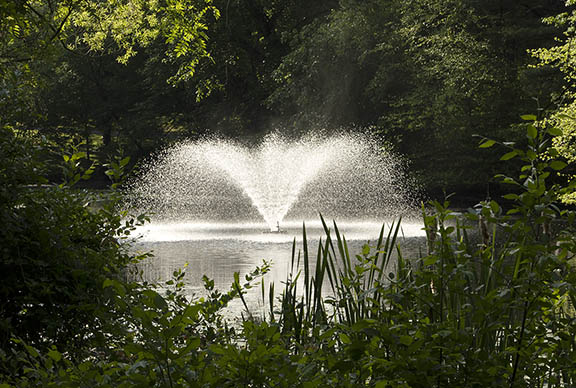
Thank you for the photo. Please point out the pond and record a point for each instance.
(247, 192)
(217, 250)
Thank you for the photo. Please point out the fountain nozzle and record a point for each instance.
(276, 229)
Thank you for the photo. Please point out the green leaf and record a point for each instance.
(406, 340)
(509, 155)
(531, 132)
(555, 131)
(55, 355)
(487, 144)
(494, 206)
(529, 117)
(444, 333)
(430, 260)
(159, 302)
(557, 165)
(118, 287)
(32, 351)
(366, 249)
(505, 179)
(84, 367)
(344, 338)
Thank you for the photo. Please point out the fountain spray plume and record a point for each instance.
(216, 179)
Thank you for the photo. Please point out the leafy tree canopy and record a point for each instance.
(120, 26)
(561, 56)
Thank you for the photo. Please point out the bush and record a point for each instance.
(57, 250)
(490, 304)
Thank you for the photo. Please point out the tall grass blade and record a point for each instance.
(330, 265)
(239, 291)
(293, 255)
(271, 298)
(343, 252)
(306, 265)
(389, 246)
(377, 255)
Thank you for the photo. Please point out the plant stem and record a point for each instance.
(516, 362)
(167, 362)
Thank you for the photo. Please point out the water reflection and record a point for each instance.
(219, 250)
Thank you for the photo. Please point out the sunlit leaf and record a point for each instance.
(509, 155)
(531, 132)
(557, 165)
(487, 143)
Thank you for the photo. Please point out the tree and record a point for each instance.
(561, 57)
(64, 64)
(118, 26)
(425, 74)
(35, 32)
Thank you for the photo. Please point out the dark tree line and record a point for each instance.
(423, 75)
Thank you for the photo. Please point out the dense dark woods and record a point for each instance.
(478, 95)
(424, 75)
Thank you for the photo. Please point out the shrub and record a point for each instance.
(490, 304)
(57, 250)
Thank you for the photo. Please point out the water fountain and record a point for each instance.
(344, 176)
(222, 206)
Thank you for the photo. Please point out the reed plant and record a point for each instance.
(490, 303)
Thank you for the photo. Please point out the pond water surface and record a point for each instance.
(217, 250)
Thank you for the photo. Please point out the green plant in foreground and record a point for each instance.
(491, 304)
